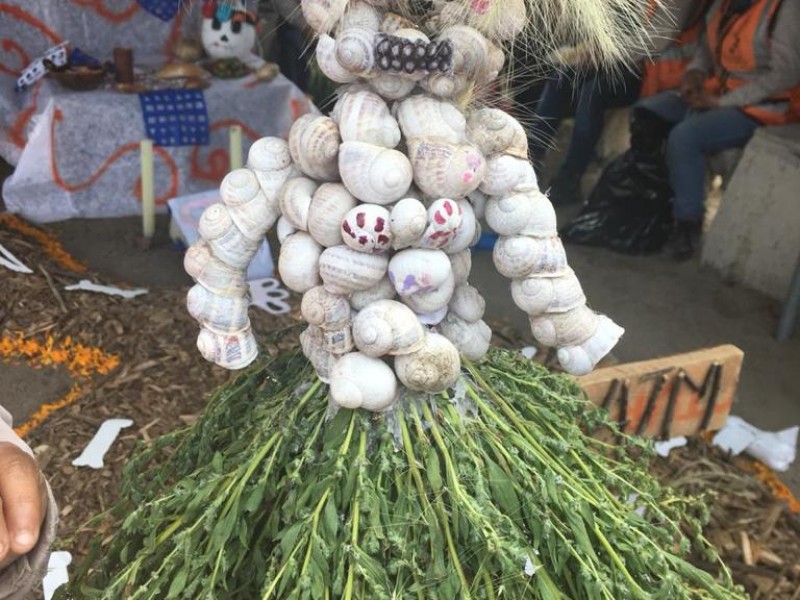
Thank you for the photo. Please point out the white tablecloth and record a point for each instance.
(82, 156)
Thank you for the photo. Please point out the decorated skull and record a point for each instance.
(228, 30)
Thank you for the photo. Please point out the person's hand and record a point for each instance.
(705, 101)
(23, 501)
(692, 86)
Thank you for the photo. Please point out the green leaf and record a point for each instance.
(330, 520)
(178, 583)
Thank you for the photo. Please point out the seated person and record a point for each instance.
(27, 516)
(592, 93)
(741, 77)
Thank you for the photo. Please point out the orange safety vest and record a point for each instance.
(741, 49)
(665, 71)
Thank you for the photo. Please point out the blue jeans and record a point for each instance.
(695, 135)
(591, 95)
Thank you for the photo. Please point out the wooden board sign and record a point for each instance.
(672, 396)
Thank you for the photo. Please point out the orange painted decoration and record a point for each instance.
(217, 161)
(47, 241)
(82, 362)
(131, 147)
(10, 45)
(99, 7)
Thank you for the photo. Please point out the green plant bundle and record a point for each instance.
(493, 491)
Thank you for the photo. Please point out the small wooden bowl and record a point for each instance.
(80, 79)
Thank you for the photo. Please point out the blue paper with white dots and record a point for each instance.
(175, 117)
(163, 9)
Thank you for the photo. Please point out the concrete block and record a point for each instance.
(755, 237)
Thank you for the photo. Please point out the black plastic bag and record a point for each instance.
(630, 208)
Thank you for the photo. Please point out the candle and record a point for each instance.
(236, 147)
(123, 65)
(148, 189)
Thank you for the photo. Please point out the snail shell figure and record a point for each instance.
(377, 206)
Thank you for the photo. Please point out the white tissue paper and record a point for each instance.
(775, 449)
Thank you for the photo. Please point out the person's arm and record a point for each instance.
(784, 66)
(27, 570)
(668, 20)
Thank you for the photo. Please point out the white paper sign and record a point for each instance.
(87, 286)
(775, 449)
(268, 295)
(92, 455)
(10, 261)
(56, 573)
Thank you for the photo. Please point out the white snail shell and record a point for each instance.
(374, 174)
(536, 295)
(468, 231)
(422, 116)
(284, 229)
(322, 15)
(581, 359)
(298, 262)
(444, 219)
(419, 270)
(391, 86)
(461, 265)
(225, 239)
(387, 327)
(569, 328)
(355, 52)
(296, 136)
(494, 131)
(360, 381)
(445, 85)
(366, 228)
(408, 221)
(502, 21)
(393, 21)
(383, 290)
(360, 14)
(213, 274)
(295, 200)
(433, 368)
(312, 341)
(229, 350)
(470, 49)
(467, 303)
(325, 310)
(249, 207)
(329, 64)
(446, 170)
(519, 256)
(471, 339)
(317, 148)
(364, 117)
(542, 222)
(478, 200)
(344, 270)
(338, 341)
(430, 302)
(221, 314)
(329, 204)
(269, 154)
(508, 215)
(505, 172)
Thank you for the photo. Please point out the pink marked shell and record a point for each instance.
(366, 228)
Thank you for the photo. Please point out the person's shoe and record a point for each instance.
(565, 190)
(685, 239)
